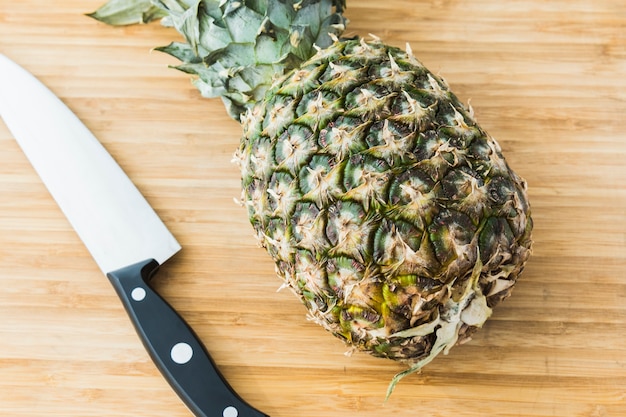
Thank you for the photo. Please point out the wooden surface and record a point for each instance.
(547, 79)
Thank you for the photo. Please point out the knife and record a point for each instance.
(122, 232)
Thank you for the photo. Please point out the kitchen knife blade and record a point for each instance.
(125, 236)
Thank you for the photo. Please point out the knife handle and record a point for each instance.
(175, 348)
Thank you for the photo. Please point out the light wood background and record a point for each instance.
(546, 78)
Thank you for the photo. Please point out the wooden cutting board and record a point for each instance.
(547, 79)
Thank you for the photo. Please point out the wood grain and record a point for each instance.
(547, 79)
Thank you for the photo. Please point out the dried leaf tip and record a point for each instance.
(458, 118)
(412, 59)
(408, 49)
(395, 69)
(434, 85)
(470, 109)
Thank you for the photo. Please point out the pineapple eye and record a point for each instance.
(500, 190)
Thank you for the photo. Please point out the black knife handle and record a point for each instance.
(175, 348)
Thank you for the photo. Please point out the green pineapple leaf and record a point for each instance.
(235, 49)
(127, 12)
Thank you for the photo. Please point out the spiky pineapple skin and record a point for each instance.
(387, 209)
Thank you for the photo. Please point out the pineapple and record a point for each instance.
(387, 209)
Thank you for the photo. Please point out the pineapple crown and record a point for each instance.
(236, 48)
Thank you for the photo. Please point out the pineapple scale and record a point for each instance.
(387, 209)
